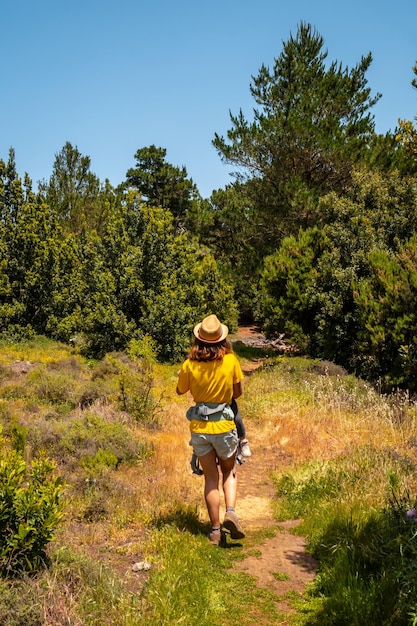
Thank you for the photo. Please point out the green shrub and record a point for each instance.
(86, 435)
(93, 392)
(18, 437)
(46, 385)
(100, 462)
(31, 507)
(52, 387)
(135, 381)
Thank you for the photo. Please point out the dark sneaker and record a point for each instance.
(232, 524)
(240, 459)
(195, 465)
(215, 536)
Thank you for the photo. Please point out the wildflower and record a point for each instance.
(412, 515)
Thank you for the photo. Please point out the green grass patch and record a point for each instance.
(360, 533)
(97, 594)
(37, 349)
(250, 353)
(192, 582)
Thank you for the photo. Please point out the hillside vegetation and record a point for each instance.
(315, 238)
(116, 431)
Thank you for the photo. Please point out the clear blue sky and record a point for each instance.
(111, 77)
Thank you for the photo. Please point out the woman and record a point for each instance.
(214, 377)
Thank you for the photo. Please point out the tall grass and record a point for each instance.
(353, 487)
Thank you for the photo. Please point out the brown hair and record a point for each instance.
(201, 351)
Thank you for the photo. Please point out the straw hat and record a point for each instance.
(211, 330)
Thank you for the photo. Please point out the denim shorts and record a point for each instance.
(224, 444)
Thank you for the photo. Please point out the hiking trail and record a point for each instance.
(282, 563)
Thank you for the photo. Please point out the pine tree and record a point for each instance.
(312, 122)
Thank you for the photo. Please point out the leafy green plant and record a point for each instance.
(18, 437)
(31, 507)
(101, 461)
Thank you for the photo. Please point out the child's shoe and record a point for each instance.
(195, 465)
(244, 448)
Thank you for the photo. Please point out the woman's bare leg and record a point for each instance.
(231, 520)
(229, 481)
(210, 468)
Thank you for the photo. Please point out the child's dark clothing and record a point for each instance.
(240, 426)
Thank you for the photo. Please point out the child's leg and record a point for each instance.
(240, 426)
(241, 431)
(195, 465)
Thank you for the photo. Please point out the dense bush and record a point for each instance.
(344, 291)
(92, 434)
(31, 507)
(98, 284)
(386, 347)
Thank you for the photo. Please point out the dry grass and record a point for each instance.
(322, 416)
(139, 494)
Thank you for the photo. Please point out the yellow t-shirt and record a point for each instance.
(210, 381)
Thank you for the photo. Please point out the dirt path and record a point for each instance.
(281, 563)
